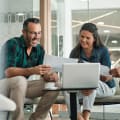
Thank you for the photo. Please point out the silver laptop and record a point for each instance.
(80, 75)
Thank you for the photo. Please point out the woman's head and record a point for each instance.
(89, 36)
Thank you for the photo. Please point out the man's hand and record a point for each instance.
(50, 77)
(115, 72)
(41, 69)
(45, 70)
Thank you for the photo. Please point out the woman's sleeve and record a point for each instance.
(105, 57)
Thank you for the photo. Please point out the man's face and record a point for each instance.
(33, 34)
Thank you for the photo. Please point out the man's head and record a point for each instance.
(32, 31)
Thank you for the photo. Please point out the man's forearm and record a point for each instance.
(15, 71)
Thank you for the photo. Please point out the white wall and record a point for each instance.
(3, 25)
(94, 4)
(12, 29)
(20, 5)
(36, 5)
(3, 5)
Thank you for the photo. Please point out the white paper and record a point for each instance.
(56, 62)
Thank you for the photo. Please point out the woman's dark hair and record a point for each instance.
(28, 20)
(75, 53)
(93, 29)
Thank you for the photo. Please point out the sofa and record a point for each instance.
(99, 101)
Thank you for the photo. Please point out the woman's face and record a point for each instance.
(86, 39)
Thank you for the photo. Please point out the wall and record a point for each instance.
(3, 25)
(10, 21)
(94, 4)
(20, 5)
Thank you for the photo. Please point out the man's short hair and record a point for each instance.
(28, 20)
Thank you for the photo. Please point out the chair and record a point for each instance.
(6, 104)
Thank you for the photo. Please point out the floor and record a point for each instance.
(57, 118)
(112, 112)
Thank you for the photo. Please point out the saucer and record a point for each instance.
(51, 88)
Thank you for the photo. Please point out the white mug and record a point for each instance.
(49, 84)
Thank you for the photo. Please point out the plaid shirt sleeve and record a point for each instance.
(11, 53)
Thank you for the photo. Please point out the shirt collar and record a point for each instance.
(94, 53)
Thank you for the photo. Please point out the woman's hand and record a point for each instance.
(115, 72)
(105, 78)
(87, 92)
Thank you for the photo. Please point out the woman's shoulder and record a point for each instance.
(75, 52)
(102, 49)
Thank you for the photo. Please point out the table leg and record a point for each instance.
(73, 106)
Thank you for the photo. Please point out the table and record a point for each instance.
(73, 106)
(73, 97)
(73, 103)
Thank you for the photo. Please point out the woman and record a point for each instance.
(91, 49)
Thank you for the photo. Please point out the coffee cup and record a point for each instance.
(50, 85)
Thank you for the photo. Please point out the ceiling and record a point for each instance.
(110, 18)
(105, 11)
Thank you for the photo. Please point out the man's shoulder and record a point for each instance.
(15, 41)
(12, 40)
(40, 47)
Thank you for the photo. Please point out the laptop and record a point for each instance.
(80, 76)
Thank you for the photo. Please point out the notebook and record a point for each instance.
(80, 75)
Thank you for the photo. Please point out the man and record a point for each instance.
(24, 57)
(115, 72)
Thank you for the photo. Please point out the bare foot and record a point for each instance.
(86, 114)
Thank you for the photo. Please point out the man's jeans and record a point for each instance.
(17, 88)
